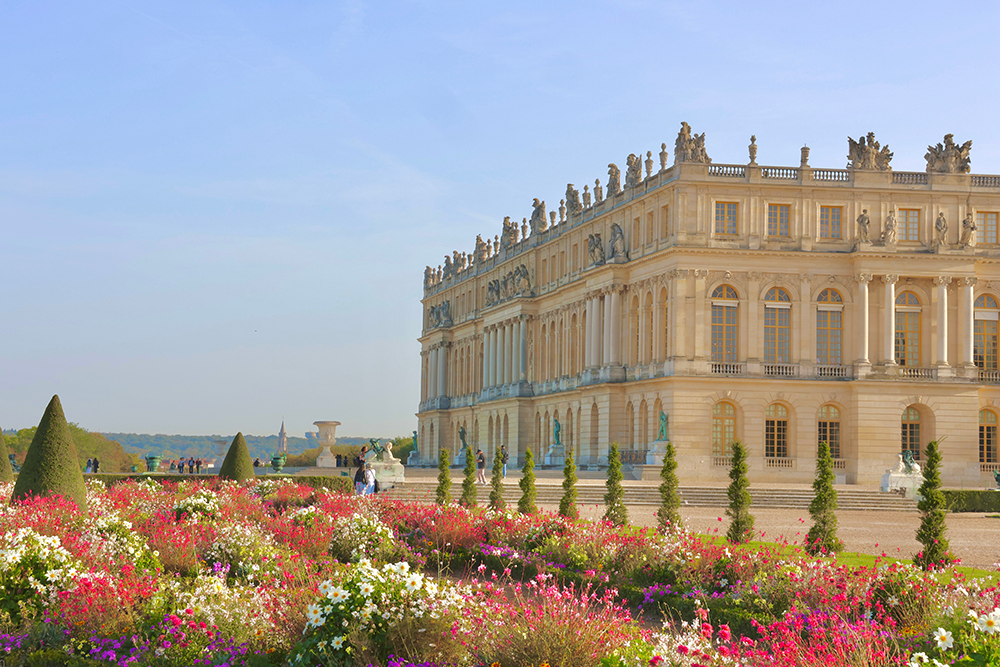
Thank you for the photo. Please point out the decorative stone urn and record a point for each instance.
(277, 462)
(327, 439)
(152, 463)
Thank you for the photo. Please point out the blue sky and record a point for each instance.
(215, 215)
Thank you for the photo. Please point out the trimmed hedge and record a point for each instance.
(971, 500)
(50, 466)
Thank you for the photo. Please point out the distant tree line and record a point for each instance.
(110, 453)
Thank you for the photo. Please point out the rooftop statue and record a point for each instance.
(482, 250)
(949, 158)
(633, 172)
(598, 191)
(539, 223)
(614, 180)
(428, 277)
(866, 153)
(508, 237)
(690, 148)
(572, 200)
(449, 268)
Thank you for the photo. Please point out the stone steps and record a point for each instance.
(865, 500)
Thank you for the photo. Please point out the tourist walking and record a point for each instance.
(197, 465)
(90, 466)
(97, 464)
(369, 479)
(480, 466)
(359, 481)
(504, 457)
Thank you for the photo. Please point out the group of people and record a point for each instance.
(364, 479)
(192, 464)
(93, 465)
(481, 464)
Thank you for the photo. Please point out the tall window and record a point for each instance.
(777, 220)
(829, 328)
(987, 436)
(911, 431)
(908, 228)
(830, 222)
(725, 324)
(828, 428)
(664, 221)
(907, 329)
(723, 428)
(726, 214)
(986, 227)
(776, 431)
(777, 326)
(984, 347)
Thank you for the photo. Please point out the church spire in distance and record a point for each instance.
(282, 439)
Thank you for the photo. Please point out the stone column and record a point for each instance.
(523, 367)
(702, 335)
(497, 356)
(432, 375)
(493, 357)
(862, 313)
(753, 317)
(508, 353)
(616, 327)
(502, 361)
(966, 321)
(643, 333)
(592, 328)
(679, 330)
(606, 329)
(941, 282)
(599, 330)
(425, 385)
(442, 372)
(515, 361)
(485, 379)
(889, 325)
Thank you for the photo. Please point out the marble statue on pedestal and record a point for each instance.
(941, 230)
(905, 478)
(618, 251)
(889, 232)
(658, 448)
(557, 453)
(968, 237)
(863, 223)
(539, 223)
(595, 249)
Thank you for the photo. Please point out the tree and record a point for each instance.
(526, 505)
(822, 537)
(496, 483)
(444, 478)
(237, 465)
(614, 500)
(567, 506)
(6, 472)
(470, 496)
(933, 510)
(741, 524)
(668, 516)
(51, 466)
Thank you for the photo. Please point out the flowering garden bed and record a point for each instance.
(201, 572)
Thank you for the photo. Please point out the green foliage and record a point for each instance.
(6, 472)
(444, 478)
(971, 500)
(470, 497)
(526, 505)
(822, 537)
(402, 448)
(496, 482)
(668, 517)
(51, 464)
(238, 464)
(933, 510)
(567, 506)
(614, 499)
(305, 459)
(741, 524)
(110, 453)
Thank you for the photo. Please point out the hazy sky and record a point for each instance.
(215, 215)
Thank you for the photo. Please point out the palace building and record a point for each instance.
(778, 306)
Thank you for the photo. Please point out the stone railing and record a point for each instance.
(790, 173)
(989, 467)
(780, 370)
(727, 170)
(633, 456)
(779, 462)
(832, 372)
(909, 178)
(913, 373)
(989, 375)
(728, 368)
(840, 464)
(841, 175)
(986, 181)
(722, 461)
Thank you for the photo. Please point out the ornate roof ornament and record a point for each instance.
(867, 154)
(948, 158)
(690, 147)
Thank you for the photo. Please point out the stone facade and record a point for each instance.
(774, 305)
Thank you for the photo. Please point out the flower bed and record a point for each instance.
(189, 571)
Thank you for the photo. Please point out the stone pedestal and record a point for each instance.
(908, 482)
(656, 452)
(556, 456)
(327, 438)
(388, 473)
(326, 459)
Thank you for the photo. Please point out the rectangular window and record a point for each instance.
(908, 339)
(828, 337)
(829, 432)
(984, 344)
(911, 438)
(649, 227)
(636, 233)
(545, 271)
(777, 335)
(986, 227)
(909, 224)
(829, 222)
(987, 443)
(777, 220)
(725, 333)
(725, 218)
(562, 262)
(573, 256)
(664, 222)
(776, 438)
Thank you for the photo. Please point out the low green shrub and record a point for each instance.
(972, 500)
(335, 484)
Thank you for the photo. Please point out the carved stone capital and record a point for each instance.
(754, 275)
(890, 278)
(805, 278)
(968, 282)
(700, 273)
(942, 280)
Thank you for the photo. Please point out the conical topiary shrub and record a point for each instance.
(567, 506)
(668, 517)
(237, 465)
(51, 467)
(496, 483)
(822, 537)
(443, 496)
(470, 494)
(6, 472)
(614, 500)
(526, 505)
(933, 510)
(741, 524)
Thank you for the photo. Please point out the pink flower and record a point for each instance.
(706, 630)
(175, 620)
(656, 661)
(724, 633)
(682, 649)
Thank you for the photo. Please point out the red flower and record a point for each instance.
(682, 649)
(724, 633)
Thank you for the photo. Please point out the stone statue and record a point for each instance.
(415, 442)
(949, 158)
(449, 269)
(617, 242)
(910, 467)
(595, 249)
(663, 435)
(889, 233)
(753, 149)
(427, 277)
(649, 163)
(663, 156)
(586, 196)
(968, 237)
(941, 229)
(524, 228)
(573, 199)
(562, 210)
(614, 180)
(867, 154)
(863, 224)
(461, 436)
(539, 223)
(446, 314)
(523, 280)
(690, 148)
(481, 251)
(552, 217)
(556, 431)
(598, 192)
(508, 236)
(633, 171)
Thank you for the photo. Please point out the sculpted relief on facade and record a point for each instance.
(514, 283)
(439, 315)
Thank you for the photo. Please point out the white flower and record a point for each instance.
(989, 623)
(943, 638)
(337, 642)
(324, 588)
(414, 581)
(366, 588)
(337, 594)
(919, 659)
(893, 601)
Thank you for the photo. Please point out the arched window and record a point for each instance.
(829, 328)
(911, 431)
(828, 428)
(987, 436)
(725, 324)
(777, 326)
(907, 329)
(776, 431)
(723, 428)
(985, 339)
